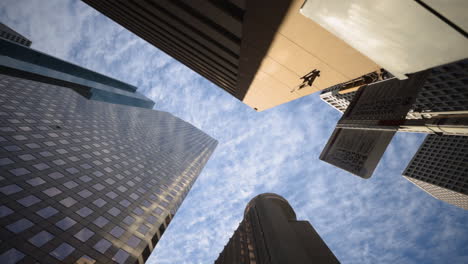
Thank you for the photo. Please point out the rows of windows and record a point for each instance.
(90, 180)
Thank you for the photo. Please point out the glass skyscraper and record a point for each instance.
(85, 179)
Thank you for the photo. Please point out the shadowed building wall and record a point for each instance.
(257, 51)
(271, 234)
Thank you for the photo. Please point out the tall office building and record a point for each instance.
(440, 167)
(8, 33)
(444, 90)
(264, 53)
(86, 181)
(432, 101)
(271, 234)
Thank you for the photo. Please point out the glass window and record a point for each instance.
(99, 202)
(41, 238)
(133, 241)
(85, 193)
(98, 173)
(65, 223)
(117, 231)
(110, 181)
(125, 203)
(121, 256)
(67, 202)
(85, 166)
(11, 256)
(59, 162)
(134, 196)
(62, 251)
(45, 154)
(70, 184)
(102, 245)
(47, 212)
(19, 171)
(84, 212)
(98, 187)
(52, 191)
(62, 151)
(84, 234)
(12, 148)
(101, 221)
(143, 229)
(33, 145)
(19, 226)
(72, 170)
(29, 200)
(122, 188)
(138, 211)
(158, 211)
(111, 195)
(26, 157)
(49, 143)
(85, 178)
(10, 189)
(114, 211)
(41, 166)
(4, 211)
(151, 219)
(129, 220)
(5, 161)
(55, 175)
(35, 181)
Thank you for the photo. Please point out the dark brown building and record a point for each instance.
(258, 51)
(271, 234)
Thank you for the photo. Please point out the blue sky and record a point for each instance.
(385, 219)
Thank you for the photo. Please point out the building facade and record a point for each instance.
(26, 63)
(271, 234)
(443, 91)
(440, 168)
(11, 35)
(434, 101)
(88, 172)
(88, 180)
(260, 52)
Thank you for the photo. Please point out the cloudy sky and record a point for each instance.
(385, 219)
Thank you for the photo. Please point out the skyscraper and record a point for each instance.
(8, 33)
(264, 53)
(434, 101)
(271, 234)
(440, 168)
(27, 63)
(443, 91)
(83, 180)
